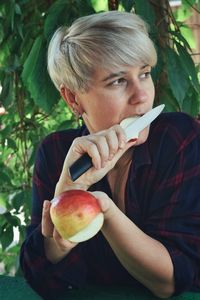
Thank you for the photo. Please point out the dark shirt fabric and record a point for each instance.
(162, 198)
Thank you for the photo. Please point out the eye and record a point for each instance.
(118, 82)
(145, 75)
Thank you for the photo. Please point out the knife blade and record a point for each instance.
(132, 130)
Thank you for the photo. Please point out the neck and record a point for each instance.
(117, 178)
(125, 160)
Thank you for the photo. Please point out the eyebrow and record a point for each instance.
(113, 75)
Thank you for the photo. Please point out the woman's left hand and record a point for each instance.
(107, 205)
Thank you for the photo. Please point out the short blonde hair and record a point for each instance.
(107, 40)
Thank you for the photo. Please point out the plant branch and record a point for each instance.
(192, 6)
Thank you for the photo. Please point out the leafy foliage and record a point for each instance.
(33, 106)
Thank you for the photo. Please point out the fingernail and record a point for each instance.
(97, 167)
(132, 140)
(111, 157)
(103, 164)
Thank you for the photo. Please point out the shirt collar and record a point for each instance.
(141, 155)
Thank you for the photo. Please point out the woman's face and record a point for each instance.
(114, 96)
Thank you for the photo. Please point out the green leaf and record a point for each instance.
(191, 103)
(4, 178)
(3, 207)
(183, 13)
(13, 220)
(128, 4)
(11, 144)
(21, 198)
(6, 175)
(12, 14)
(100, 5)
(62, 12)
(65, 125)
(31, 61)
(178, 80)
(6, 236)
(188, 3)
(188, 34)
(189, 66)
(31, 160)
(18, 9)
(6, 131)
(54, 17)
(169, 100)
(7, 95)
(20, 30)
(1, 30)
(178, 36)
(145, 9)
(36, 78)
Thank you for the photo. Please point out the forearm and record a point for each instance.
(66, 185)
(145, 258)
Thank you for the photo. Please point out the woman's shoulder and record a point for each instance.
(173, 132)
(177, 124)
(177, 118)
(58, 142)
(63, 136)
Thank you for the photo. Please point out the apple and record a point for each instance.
(76, 215)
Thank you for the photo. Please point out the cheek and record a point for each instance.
(153, 93)
(151, 89)
(107, 118)
(108, 109)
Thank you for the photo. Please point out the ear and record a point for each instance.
(71, 100)
(68, 96)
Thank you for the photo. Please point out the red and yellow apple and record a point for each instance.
(76, 215)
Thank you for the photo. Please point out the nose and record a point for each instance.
(137, 93)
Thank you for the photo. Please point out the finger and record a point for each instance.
(87, 145)
(94, 152)
(121, 135)
(108, 142)
(119, 153)
(64, 245)
(113, 142)
(46, 224)
(103, 148)
(103, 200)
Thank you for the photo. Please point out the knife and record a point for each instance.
(132, 129)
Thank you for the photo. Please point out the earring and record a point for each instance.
(77, 116)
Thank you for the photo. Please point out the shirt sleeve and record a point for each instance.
(49, 280)
(173, 212)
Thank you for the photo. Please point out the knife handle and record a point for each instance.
(80, 166)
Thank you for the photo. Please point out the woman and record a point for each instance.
(148, 189)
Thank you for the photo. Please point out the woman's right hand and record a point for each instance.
(56, 248)
(105, 148)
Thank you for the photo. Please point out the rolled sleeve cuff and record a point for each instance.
(184, 271)
(70, 271)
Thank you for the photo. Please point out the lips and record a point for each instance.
(124, 123)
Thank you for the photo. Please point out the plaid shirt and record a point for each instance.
(162, 198)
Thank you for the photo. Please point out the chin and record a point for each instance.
(143, 136)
